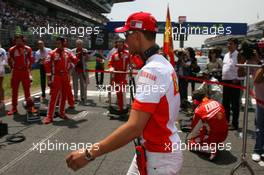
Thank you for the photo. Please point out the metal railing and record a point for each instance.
(243, 162)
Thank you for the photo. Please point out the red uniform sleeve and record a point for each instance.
(31, 59)
(73, 58)
(110, 63)
(47, 64)
(11, 57)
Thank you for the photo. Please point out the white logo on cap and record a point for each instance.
(136, 24)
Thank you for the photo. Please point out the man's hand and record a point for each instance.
(76, 160)
(42, 60)
(49, 81)
(111, 69)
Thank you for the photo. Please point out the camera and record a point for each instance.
(248, 48)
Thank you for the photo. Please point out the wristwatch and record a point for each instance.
(88, 155)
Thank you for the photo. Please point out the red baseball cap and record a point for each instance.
(139, 21)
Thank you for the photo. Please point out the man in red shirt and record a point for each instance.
(119, 62)
(20, 60)
(209, 125)
(57, 69)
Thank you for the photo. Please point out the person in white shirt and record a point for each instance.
(40, 57)
(3, 62)
(154, 111)
(231, 96)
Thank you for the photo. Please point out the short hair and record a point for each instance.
(40, 41)
(79, 40)
(191, 52)
(17, 36)
(248, 49)
(61, 39)
(218, 51)
(150, 36)
(198, 95)
(234, 40)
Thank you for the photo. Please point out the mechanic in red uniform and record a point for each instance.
(136, 62)
(70, 97)
(20, 60)
(209, 124)
(119, 62)
(57, 69)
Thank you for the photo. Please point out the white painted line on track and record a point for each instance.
(24, 154)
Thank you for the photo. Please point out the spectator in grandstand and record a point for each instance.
(194, 68)
(3, 62)
(231, 96)
(80, 76)
(251, 52)
(99, 66)
(183, 69)
(40, 57)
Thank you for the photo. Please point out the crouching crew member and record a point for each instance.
(209, 125)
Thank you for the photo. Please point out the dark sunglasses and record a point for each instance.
(129, 32)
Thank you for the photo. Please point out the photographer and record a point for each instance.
(252, 53)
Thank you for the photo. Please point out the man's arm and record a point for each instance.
(10, 58)
(259, 75)
(123, 135)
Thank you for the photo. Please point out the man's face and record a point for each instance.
(120, 45)
(59, 45)
(19, 42)
(132, 42)
(231, 46)
(79, 44)
(40, 45)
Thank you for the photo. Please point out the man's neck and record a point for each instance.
(232, 51)
(147, 46)
(149, 51)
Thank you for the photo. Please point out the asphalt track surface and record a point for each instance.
(90, 125)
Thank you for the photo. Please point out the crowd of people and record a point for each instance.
(83, 7)
(11, 16)
(223, 69)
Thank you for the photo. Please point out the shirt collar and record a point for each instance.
(150, 58)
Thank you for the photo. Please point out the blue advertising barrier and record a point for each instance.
(195, 28)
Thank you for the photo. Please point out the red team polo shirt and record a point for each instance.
(22, 57)
(157, 93)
